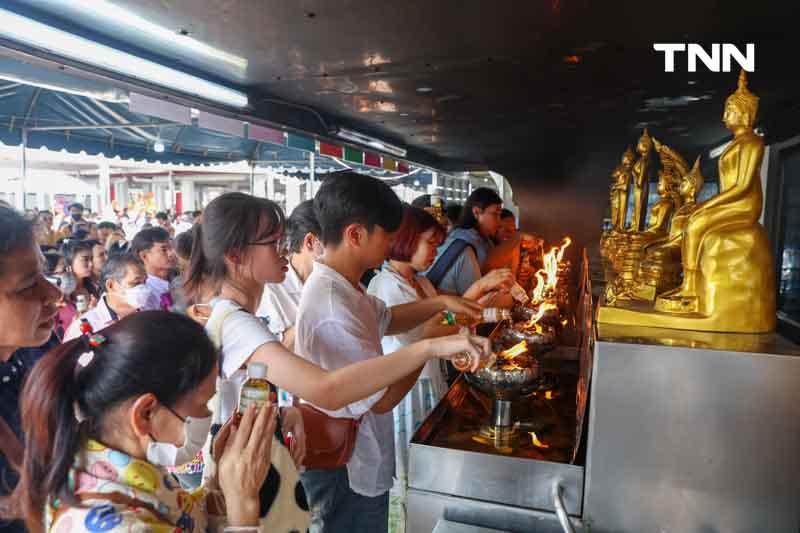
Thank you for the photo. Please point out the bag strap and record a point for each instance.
(10, 445)
(445, 261)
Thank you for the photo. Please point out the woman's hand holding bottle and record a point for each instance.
(461, 306)
(479, 349)
(499, 279)
(245, 462)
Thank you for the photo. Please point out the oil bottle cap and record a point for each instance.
(257, 370)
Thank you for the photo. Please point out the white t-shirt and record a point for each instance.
(241, 335)
(280, 302)
(338, 325)
(395, 289)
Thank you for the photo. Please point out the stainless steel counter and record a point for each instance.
(693, 432)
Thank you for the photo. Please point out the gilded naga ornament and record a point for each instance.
(728, 277)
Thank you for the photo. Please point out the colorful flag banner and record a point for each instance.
(302, 142)
(353, 155)
(331, 150)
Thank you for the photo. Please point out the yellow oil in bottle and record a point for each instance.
(256, 388)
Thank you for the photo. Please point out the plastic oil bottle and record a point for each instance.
(256, 388)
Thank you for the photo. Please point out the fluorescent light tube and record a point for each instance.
(366, 140)
(37, 35)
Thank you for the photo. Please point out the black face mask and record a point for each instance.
(76, 217)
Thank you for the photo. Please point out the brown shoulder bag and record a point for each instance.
(329, 441)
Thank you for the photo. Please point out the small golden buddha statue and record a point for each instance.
(728, 276)
(641, 179)
(660, 271)
(632, 244)
(619, 190)
(622, 176)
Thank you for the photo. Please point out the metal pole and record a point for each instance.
(24, 174)
(171, 203)
(252, 178)
(312, 174)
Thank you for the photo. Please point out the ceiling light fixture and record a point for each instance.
(41, 36)
(372, 142)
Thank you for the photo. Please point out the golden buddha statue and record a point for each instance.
(619, 190)
(661, 268)
(728, 276)
(632, 244)
(622, 176)
(641, 181)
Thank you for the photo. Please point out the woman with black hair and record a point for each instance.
(104, 414)
(79, 256)
(469, 250)
(27, 316)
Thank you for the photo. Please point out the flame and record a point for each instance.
(538, 292)
(548, 395)
(547, 277)
(537, 442)
(564, 322)
(543, 308)
(518, 349)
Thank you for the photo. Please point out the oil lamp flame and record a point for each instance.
(547, 277)
(537, 442)
(543, 308)
(518, 349)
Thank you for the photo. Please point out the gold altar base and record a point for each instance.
(641, 313)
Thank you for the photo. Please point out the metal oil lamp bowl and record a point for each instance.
(504, 382)
(538, 342)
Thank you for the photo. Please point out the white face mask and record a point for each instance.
(138, 296)
(195, 431)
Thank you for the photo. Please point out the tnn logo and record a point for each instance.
(712, 61)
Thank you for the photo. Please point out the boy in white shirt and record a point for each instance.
(339, 323)
(153, 247)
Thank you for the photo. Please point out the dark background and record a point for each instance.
(548, 93)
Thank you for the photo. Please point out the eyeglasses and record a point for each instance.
(280, 244)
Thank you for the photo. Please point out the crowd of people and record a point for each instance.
(124, 348)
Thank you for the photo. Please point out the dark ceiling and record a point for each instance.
(521, 87)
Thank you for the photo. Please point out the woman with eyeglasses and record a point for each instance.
(238, 248)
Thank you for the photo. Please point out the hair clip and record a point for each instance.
(96, 340)
(85, 358)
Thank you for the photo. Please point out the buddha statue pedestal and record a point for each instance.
(627, 266)
(659, 272)
(732, 260)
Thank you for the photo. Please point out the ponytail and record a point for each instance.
(193, 282)
(150, 352)
(51, 432)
